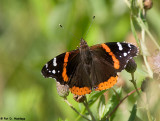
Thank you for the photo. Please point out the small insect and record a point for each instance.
(90, 68)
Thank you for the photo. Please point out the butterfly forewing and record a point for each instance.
(115, 53)
(54, 68)
(60, 67)
(123, 52)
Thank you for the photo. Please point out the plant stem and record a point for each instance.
(144, 28)
(114, 110)
(142, 25)
(134, 83)
(87, 108)
(142, 42)
(116, 93)
(82, 112)
(75, 109)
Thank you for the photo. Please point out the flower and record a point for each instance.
(63, 90)
(154, 61)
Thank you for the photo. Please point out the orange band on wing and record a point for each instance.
(66, 57)
(115, 60)
(80, 91)
(107, 84)
(64, 73)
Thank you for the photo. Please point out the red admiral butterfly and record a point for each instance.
(90, 68)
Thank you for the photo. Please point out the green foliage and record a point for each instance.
(93, 97)
(113, 102)
(134, 31)
(133, 113)
(101, 107)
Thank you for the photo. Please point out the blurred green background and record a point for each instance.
(30, 36)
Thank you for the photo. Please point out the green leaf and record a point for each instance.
(101, 107)
(134, 32)
(134, 7)
(94, 96)
(133, 113)
(142, 25)
(112, 103)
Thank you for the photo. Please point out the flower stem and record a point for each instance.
(143, 46)
(75, 109)
(114, 110)
(134, 83)
(86, 106)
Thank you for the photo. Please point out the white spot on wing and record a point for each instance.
(46, 65)
(129, 45)
(58, 71)
(125, 54)
(120, 46)
(54, 62)
(53, 71)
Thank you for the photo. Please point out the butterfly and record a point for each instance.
(90, 68)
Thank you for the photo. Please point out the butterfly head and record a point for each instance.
(83, 43)
(85, 52)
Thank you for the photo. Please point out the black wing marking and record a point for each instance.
(123, 52)
(54, 68)
(103, 64)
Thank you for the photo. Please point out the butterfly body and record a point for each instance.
(90, 68)
(85, 56)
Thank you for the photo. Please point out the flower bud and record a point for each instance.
(145, 84)
(131, 66)
(147, 4)
(63, 90)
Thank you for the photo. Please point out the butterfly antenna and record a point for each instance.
(89, 27)
(61, 26)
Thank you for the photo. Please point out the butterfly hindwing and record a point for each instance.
(103, 74)
(80, 83)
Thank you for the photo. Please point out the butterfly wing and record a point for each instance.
(67, 68)
(62, 67)
(108, 59)
(123, 52)
(80, 83)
